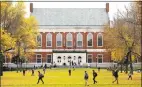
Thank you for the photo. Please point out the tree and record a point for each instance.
(123, 38)
(26, 38)
(20, 33)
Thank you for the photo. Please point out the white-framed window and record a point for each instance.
(59, 40)
(59, 59)
(49, 58)
(39, 40)
(79, 40)
(38, 58)
(100, 58)
(69, 58)
(49, 40)
(90, 58)
(69, 40)
(90, 40)
(99, 40)
(79, 59)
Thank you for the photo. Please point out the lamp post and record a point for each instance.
(96, 61)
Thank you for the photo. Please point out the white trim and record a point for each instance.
(87, 39)
(71, 30)
(69, 40)
(79, 40)
(36, 58)
(97, 39)
(50, 50)
(50, 38)
(92, 57)
(41, 39)
(47, 58)
(102, 58)
(61, 40)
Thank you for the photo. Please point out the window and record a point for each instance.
(69, 40)
(59, 59)
(79, 40)
(89, 40)
(79, 59)
(38, 58)
(69, 59)
(100, 58)
(49, 58)
(59, 40)
(49, 40)
(99, 40)
(39, 40)
(90, 58)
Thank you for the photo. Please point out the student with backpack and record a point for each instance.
(115, 74)
(40, 77)
(94, 76)
(86, 78)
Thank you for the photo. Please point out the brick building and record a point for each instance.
(70, 35)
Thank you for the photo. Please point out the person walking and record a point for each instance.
(40, 77)
(94, 76)
(24, 72)
(115, 74)
(86, 77)
(44, 69)
(98, 69)
(130, 76)
(32, 72)
(69, 72)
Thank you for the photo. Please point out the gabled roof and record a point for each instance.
(71, 17)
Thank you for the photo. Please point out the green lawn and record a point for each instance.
(60, 78)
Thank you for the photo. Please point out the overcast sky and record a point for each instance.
(113, 6)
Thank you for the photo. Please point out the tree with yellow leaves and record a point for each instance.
(123, 39)
(19, 33)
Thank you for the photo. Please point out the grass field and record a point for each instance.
(60, 78)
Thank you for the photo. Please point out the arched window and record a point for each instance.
(69, 40)
(69, 58)
(39, 40)
(79, 40)
(49, 40)
(90, 40)
(59, 40)
(59, 59)
(99, 39)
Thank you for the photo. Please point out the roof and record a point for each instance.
(71, 17)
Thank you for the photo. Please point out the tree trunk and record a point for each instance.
(131, 65)
(18, 60)
(126, 68)
(121, 68)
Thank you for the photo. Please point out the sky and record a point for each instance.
(113, 6)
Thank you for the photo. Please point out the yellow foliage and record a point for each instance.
(6, 40)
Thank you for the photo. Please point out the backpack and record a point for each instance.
(94, 74)
(41, 75)
(86, 76)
